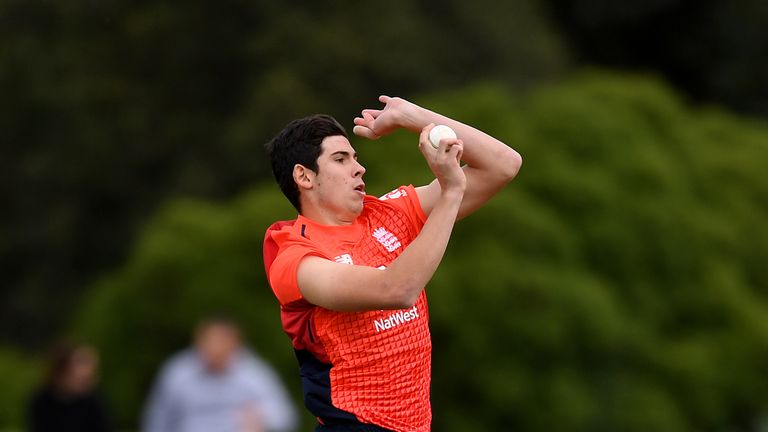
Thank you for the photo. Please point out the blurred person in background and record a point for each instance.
(218, 385)
(68, 400)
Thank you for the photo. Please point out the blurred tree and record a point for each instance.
(617, 284)
(713, 50)
(113, 107)
(21, 374)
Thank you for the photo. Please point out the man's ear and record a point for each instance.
(303, 176)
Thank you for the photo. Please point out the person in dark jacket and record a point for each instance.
(68, 400)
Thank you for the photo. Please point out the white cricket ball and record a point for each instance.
(440, 132)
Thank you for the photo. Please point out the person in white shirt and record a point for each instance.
(218, 385)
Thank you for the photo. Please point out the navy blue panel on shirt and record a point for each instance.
(316, 381)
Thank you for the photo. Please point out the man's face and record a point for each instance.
(339, 184)
(80, 376)
(217, 345)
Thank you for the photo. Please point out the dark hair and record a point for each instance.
(300, 143)
(217, 320)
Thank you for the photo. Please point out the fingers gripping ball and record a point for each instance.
(440, 132)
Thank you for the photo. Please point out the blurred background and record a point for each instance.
(618, 284)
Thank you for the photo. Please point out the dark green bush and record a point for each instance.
(20, 375)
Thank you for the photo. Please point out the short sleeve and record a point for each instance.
(406, 199)
(282, 273)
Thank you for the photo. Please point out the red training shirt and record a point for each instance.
(357, 367)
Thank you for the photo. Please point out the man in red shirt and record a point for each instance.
(350, 271)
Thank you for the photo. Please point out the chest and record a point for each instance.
(207, 393)
(380, 238)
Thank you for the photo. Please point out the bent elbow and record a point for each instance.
(510, 163)
(513, 165)
(406, 302)
(402, 297)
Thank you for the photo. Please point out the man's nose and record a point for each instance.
(359, 169)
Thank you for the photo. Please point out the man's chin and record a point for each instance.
(356, 210)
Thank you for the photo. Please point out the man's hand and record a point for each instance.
(444, 161)
(490, 164)
(250, 419)
(397, 113)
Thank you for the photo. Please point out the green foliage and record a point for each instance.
(617, 284)
(20, 376)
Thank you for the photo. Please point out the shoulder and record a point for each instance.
(277, 235)
(284, 238)
(404, 200)
(401, 192)
(95, 399)
(283, 235)
(179, 366)
(252, 369)
(41, 396)
(251, 361)
(283, 251)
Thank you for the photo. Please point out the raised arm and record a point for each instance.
(490, 164)
(338, 286)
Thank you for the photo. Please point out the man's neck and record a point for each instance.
(324, 216)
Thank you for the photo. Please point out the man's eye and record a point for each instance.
(339, 160)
